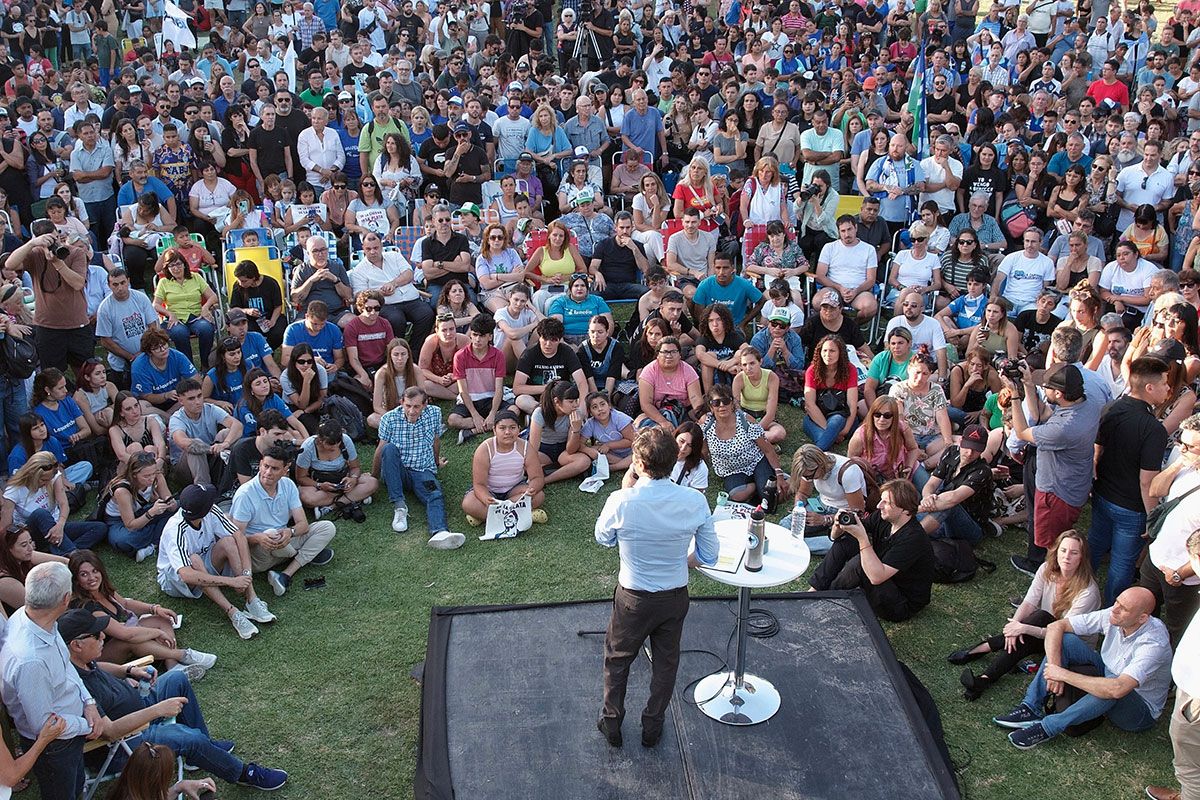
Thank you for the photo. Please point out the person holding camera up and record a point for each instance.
(816, 213)
(887, 555)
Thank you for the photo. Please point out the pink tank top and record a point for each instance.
(507, 470)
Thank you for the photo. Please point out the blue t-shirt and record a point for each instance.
(127, 196)
(254, 350)
(229, 391)
(739, 296)
(323, 344)
(250, 421)
(61, 422)
(967, 310)
(576, 316)
(145, 378)
(17, 458)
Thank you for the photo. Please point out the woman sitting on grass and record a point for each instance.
(17, 557)
(1062, 586)
(505, 467)
(399, 371)
(329, 475)
(756, 392)
(609, 431)
(556, 432)
(135, 628)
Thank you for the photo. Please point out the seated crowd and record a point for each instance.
(984, 309)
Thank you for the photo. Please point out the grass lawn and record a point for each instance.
(325, 693)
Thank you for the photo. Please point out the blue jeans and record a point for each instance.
(422, 483)
(127, 541)
(824, 437)
(1130, 713)
(181, 336)
(955, 523)
(820, 543)
(1118, 532)
(79, 472)
(14, 401)
(76, 535)
(188, 735)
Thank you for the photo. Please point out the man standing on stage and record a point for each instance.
(654, 521)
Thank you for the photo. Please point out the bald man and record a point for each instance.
(1127, 681)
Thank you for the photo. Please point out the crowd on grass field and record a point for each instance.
(961, 238)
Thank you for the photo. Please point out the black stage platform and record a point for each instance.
(511, 696)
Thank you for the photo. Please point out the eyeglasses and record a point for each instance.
(496, 237)
(883, 415)
(305, 361)
(668, 352)
(372, 309)
(777, 324)
(718, 402)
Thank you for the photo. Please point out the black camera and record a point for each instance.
(808, 192)
(61, 252)
(845, 518)
(1008, 367)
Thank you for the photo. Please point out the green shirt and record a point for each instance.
(883, 367)
(311, 98)
(370, 141)
(106, 47)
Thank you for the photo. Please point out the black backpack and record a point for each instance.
(18, 357)
(954, 561)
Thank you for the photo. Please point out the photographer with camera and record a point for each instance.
(886, 555)
(816, 213)
(59, 272)
(524, 23)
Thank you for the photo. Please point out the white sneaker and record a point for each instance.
(446, 540)
(242, 624)
(257, 610)
(366, 501)
(400, 519)
(194, 672)
(321, 511)
(205, 660)
(144, 553)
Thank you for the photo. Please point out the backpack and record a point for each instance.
(954, 561)
(18, 357)
(346, 413)
(870, 478)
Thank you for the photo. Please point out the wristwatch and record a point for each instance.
(1176, 578)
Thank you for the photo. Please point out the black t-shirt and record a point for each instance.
(1132, 439)
(266, 297)
(939, 105)
(268, 146)
(472, 163)
(114, 697)
(602, 366)
(686, 326)
(617, 263)
(518, 41)
(874, 234)
(977, 475)
(987, 181)
(350, 70)
(433, 249)
(543, 369)
(907, 550)
(1034, 333)
(814, 330)
(723, 350)
(434, 155)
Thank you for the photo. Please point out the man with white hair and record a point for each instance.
(320, 149)
(38, 683)
(307, 25)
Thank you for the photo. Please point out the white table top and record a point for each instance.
(786, 558)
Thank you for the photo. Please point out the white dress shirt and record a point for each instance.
(320, 152)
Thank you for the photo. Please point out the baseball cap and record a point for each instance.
(870, 83)
(196, 500)
(462, 127)
(515, 87)
(582, 152)
(80, 622)
(1067, 379)
(1168, 350)
(345, 96)
(455, 100)
(974, 438)
(471, 208)
(526, 156)
(829, 297)
(780, 315)
(235, 316)
(585, 196)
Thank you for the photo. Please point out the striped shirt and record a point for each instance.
(180, 541)
(414, 440)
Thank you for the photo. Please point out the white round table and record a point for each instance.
(736, 697)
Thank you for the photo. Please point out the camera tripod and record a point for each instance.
(578, 53)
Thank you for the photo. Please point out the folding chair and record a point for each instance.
(502, 167)
(92, 781)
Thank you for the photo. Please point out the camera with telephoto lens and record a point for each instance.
(1009, 367)
(808, 192)
(845, 518)
(517, 12)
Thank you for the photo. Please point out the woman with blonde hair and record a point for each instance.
(399, 371)
(764, 199)
(885, 441)
(651, 207)
(36, 498)
(547, 143)
(1064, 585)
(695, 190)
(499, 267)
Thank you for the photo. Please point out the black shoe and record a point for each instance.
(1016, 600)
(1020, 717)
(964, 656)
(1025, 566)
(322, 558)
(612, 737)
(356, 513)
(973, 686)
(650, 738)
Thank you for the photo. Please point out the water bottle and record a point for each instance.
(144, 683)
(756, 540)
(799, 520)
(770, 496)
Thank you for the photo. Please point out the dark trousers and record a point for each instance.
(418, 313)
(635, 616)
(1034, 552)
(842, 569)
(59, 770)
(1175, 605)
(59, 347)
(1003, 662)
(103, 214)
(623, 291)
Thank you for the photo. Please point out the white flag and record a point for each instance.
(289, 64)
(175, 28)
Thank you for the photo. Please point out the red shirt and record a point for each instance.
(1118, 92)
(479, 373)
(371, 340)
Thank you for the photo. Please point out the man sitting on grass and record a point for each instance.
(1127, 681)
(410, 445)
(268, 511)
(201, 553)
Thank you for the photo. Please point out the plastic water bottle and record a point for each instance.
(756, 540)
(799, 520)
(144, 683)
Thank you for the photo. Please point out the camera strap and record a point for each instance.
(778, 138)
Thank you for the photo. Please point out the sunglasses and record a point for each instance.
(1187, 284)
(339, 186)
(369, 309)
(445, 317)
(961, 242)
(920, 238)
(718, 402)
(883, 415)
(305, 361)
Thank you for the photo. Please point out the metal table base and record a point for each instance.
(736, 697)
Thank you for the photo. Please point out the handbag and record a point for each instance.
(1016, 219)
(18, 357)
(506, 518)
(1158, 515)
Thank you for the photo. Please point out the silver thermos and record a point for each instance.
(757, 539)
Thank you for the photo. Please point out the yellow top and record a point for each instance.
(754, 397)
(184, 299)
